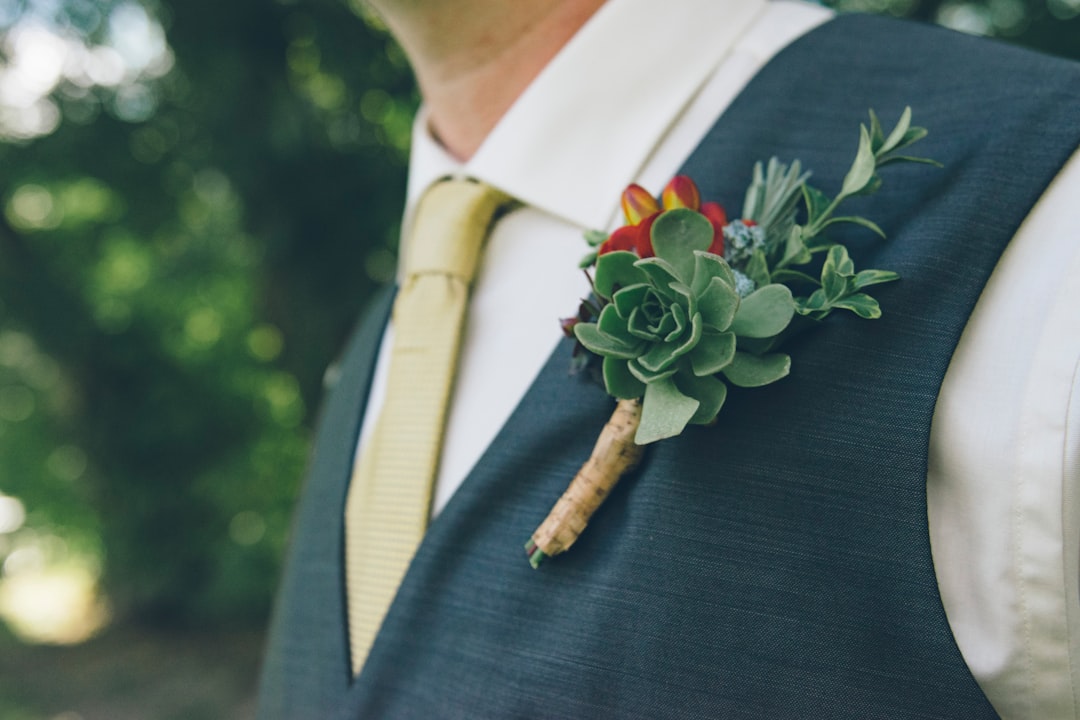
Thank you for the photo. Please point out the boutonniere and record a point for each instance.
(687, 303)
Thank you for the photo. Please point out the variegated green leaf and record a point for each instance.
(897, 134)
(861, 304)
(862, 169)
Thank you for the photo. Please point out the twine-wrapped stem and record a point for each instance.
(614, 454)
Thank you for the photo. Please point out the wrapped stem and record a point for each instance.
(614, 454)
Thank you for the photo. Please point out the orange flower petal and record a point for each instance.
(638, 204)
(681, 192)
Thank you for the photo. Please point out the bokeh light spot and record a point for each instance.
(125, 268)
(67, 462)
(281, 393)
(16, 349)
(203, 327)
(12, 514)
(265, 342)
(52, 604)
(966, 17)
(88, 200)
(33, 207)
(135, 103)
(325, 90)
(247, 528)
(16, 403)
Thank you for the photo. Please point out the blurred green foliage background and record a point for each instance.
(196, 198)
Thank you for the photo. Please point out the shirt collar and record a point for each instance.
(600, 105)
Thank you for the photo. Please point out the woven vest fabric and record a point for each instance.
(389, 500)
(776, 565)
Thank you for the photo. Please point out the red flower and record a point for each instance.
(718, 218)
(634, 238)
(641, 210)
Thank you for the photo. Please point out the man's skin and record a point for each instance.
(473, 58)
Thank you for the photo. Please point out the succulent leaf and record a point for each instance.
(619, 381)
(710, 392)
(679, 315)
(676, 234)
(614, 270)
(713, 353)
(692, 339)
(665, 411)
(659, 358)
(648, 376)
(747, 370)
(686, 298)
(613, 326)
(718, 303)
(708, 266)
(595, 341)
(646, 323)
(660, 274)
(764, 313)
(629, 298)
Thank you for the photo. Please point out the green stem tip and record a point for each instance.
(536, 555)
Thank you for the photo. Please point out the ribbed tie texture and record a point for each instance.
(389, 499)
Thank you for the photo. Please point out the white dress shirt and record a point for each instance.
(1004, 475)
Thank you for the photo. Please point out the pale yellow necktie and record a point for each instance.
(389, 498)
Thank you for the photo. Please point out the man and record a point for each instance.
(775, 565)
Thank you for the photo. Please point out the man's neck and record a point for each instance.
(473, 58)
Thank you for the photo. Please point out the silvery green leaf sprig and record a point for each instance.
(687, 304)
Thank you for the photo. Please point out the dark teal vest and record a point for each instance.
(776, 565)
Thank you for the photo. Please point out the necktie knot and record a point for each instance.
(451, 223)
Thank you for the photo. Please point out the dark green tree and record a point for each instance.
(179, 261)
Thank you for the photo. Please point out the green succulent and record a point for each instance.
(670, 330)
